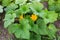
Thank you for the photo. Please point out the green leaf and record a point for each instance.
(42, 27)
(23, 34)
(36, 0)
(12, 6)
(9, 19)
(17, 33)
(21, 2)
(6, 2)
(24, 9)
(52, 5)
(51, 2)
(25, 24)
(52, 31)
(0, 0)
(23, 31)
(36, 7)
(13, 27)
(50, 16)
(34, 36)
(35, 28)
(43, 13)
(18, 12)
(57, 6)
(1, 9)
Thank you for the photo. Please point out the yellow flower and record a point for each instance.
(34, 17)
(21, 17)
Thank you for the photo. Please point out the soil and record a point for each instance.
(57, 24)
(4, 34)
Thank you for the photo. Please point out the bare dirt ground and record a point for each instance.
(4, 34)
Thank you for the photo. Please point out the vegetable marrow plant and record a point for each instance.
(29, 20)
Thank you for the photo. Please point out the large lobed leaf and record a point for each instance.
(9, 19)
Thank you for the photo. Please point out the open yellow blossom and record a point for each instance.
(21, 17)
(34, 17)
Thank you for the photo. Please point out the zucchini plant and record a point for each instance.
(33, 20)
